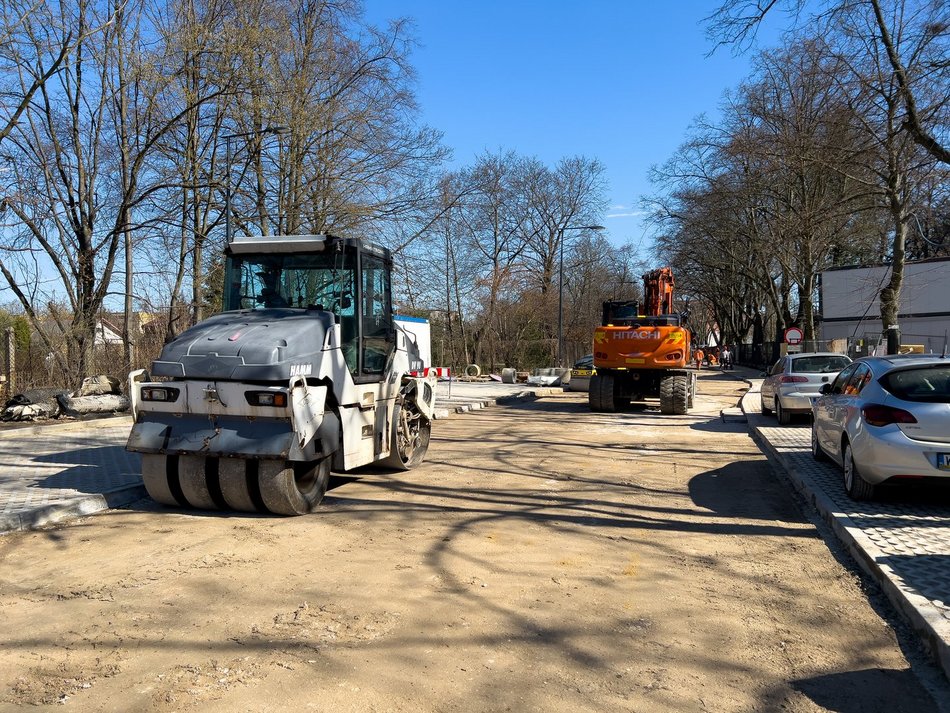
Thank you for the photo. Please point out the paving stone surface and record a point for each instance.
(62, 465)
(902, 540)
(913, 538)
(53, 471)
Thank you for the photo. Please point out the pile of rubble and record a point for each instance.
(97, 395)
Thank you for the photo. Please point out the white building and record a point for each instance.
(850, 299)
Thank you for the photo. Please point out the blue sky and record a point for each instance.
(612, 80)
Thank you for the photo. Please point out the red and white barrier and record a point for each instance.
(439, 371)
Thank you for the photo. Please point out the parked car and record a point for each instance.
(885, 418)
(585, 364)
(581, 372)
(794, 380)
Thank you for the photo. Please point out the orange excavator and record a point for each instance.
(644, 353)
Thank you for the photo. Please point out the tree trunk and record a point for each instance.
(890, 295)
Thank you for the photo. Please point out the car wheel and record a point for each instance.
(816, 451)
(856, 486)
(783, 416)
(765, 409)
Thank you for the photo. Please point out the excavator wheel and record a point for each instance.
(293, 488)
(674, 394)
(593, 393)
(410, 438)
(681, 392)
(601, 396)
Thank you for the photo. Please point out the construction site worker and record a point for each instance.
(698, 355)
(726, 358)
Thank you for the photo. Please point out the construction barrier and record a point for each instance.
(439, 371)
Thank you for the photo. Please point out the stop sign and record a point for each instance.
(793, 335)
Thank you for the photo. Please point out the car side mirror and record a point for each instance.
(825, 389)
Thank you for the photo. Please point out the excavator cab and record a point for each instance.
(626, 313)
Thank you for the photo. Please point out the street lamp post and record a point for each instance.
(560, 290)
(227, 169)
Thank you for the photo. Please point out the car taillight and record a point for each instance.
(275, 399)
(159, 393)
(793, 379)
(878, 415)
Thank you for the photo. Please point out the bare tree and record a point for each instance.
(82, 172)
(913, 36)
(33, 45)
(752, 210)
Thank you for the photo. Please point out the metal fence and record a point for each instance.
(764, 355)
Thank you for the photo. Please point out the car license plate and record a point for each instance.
(943, 461)
(582, 372)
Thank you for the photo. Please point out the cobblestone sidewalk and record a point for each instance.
(900, 540)
(50, 473)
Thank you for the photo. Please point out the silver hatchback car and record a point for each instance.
(794, 380)
(885, 418)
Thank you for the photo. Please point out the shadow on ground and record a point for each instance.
(868, 690)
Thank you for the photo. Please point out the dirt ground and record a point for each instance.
(543, 559)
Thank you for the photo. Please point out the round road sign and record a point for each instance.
(793, 335)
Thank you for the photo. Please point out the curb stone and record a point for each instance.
(76, 507)
(524, 396)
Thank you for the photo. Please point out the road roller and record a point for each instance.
(303, 372)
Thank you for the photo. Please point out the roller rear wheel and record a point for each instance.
(410, 438)
(193, 476)
(246, 485)
(239, 488)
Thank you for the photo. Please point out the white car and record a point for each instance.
(794, 381)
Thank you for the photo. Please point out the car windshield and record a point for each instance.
(823, 364)
(929, 384)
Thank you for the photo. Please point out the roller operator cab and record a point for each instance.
(304, 371)
(642, 351)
